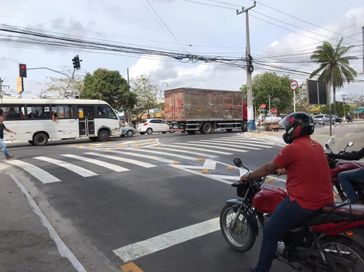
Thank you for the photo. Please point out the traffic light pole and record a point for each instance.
(251, 119)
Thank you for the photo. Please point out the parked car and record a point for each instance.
(323, 119)
(270, 119)
(152, 125)
(127, 131)
(337, 119)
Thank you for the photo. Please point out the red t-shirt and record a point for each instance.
(308, 173)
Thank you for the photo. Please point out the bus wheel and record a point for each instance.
(31, 142)
(40, 139)
(104, 135)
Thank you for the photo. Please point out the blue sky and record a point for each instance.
(205, 27)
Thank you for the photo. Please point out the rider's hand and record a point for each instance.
(245, 178)
(281, 171)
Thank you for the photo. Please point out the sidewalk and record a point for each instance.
(26, 244)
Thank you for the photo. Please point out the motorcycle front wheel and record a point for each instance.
(237, 232)
(343, 254)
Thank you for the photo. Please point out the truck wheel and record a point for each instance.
(40, 139)
(104, 135)
(206, 128)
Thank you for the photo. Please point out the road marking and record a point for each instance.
(130, 267)
(61, 246)
(212, 146)
(245, 143)
(110, 166)
(139, 249)
(35, 171)
(209, 165)
(182, 151)
(143, 156)
(245, 139)
(166, 154)
(201, 149)
(69, 166)
(131, 161)
(237, 144)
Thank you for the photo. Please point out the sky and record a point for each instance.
(282, 34)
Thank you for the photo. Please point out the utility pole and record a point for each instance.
(362, 31)
(249, 70)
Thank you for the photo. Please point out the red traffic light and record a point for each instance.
(22, 70)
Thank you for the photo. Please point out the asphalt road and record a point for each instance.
(150, 201)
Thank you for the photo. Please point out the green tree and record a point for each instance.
(109, 86)
(146, 95)
(270, 85)
(334, 65)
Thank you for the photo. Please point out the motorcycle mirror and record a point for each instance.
(327, 146)
(238, 162)
(350, 144)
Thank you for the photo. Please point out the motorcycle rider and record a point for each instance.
(356, 175)
(308, 183)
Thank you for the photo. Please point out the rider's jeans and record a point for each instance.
(3, 148)
(346, 178)
(285, 217)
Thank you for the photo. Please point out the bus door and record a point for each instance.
(86, 120)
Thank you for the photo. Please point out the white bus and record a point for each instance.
(40, 120)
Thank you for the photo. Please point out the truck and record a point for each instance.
(205, 110)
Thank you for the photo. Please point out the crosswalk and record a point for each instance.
(116, 157)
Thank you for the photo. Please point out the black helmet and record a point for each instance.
(296, 124)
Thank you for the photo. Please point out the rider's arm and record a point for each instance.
(262, 171)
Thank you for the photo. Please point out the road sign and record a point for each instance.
(293, 85)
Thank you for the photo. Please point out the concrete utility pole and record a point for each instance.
(249, 71)
(362, 31)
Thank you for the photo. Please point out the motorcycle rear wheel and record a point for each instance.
(241, 237)
(343, 254)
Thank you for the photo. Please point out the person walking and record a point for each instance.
(2, 143)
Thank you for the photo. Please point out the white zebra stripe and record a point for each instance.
(142, 156)
(181, 151)
(110, 166)
(212, 146)
(35, 171)
(165, 154)
(69, 166)
(201, 149)
(131, 161)
(228, 144)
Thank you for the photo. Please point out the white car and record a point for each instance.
(271, 119)
(152, 125)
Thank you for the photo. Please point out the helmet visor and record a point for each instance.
(284, 123)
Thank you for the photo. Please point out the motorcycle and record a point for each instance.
(337, 166)
(332, 240)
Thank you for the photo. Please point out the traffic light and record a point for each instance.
(22, 70)
(76, 62)
(250, 66)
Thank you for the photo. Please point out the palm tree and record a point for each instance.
(334, 66)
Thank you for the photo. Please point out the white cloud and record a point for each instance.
(273, 44)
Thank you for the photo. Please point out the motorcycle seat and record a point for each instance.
(355, 211)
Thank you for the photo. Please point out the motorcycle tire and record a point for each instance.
(342, 254)
(242, 237)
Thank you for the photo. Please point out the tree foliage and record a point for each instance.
(109, 86)
(334, 65)
(146, 94)
(271, 85)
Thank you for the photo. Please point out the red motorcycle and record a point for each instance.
(333, 240)
(338, 165)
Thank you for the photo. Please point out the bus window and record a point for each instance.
(63, 111)
(39, 112)
(105, 111)
(81, 114)
(14, 112)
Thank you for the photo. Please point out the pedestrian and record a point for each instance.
(2, 143)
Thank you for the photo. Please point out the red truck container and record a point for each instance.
(204, 110)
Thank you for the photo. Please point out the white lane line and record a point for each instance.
(245, 140)
(131, 161)
(35, 171)
(69, 166)
(61, 246)
(212, 146)
(142, 156)
(252, 143)
(229, 144)
(139, 249)
(182, 151)
(200, 149)
(164, 153)
(209, 165)
(110, 166)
